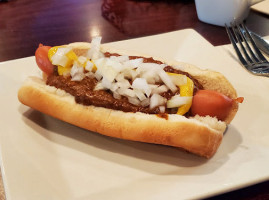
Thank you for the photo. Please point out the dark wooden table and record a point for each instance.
(26, 23)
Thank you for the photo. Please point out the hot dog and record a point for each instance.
(132, 96)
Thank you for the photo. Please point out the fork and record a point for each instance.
(248, 53)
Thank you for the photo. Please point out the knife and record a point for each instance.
(260, 42)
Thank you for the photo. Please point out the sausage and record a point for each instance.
(212, 103)
(42, 60)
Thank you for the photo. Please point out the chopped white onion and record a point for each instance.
(120, 77)
(82, 60)
(160, 89)
(117, 66)
(156, 100)
(89, 65)
(149, 76)
(127, 73)
(177, 101)
(120, 59)
(134, 74)
(145, 102)
(126, 92)
(130, 93)
(106, 83)
(77, 73)
(98, 76)
(116, 95)
(90, 74)
(99, 86)
(163, 66)
(114, 87)
(162, 109)
(167, 81)
(134, 101)
(145, 67)
(141, 84)
(123, 84)
(141, 96)
(157, 79)
(134, 63)
(94, 51)
(104, 68)
(60, 58)
(152, 87)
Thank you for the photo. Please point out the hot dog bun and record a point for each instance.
(199, 135)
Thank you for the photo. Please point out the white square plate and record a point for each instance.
(44, 158)
(262, 7)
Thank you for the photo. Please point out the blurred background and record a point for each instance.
(26, 23)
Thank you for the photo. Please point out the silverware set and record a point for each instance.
(246, 49)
